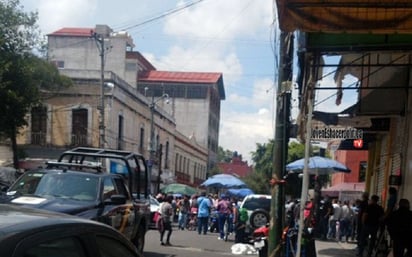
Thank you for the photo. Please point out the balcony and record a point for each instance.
(79, 140)
(182, 177)
(38, 138)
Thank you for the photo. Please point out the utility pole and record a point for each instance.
(152, 136)
(99, 39)
(152, 146)
(281, 143)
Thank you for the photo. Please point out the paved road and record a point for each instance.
(188, 244)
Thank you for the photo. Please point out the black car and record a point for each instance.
(27, 232)
(90, 183)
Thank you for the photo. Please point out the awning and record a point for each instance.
(343, 187)
(361, 16)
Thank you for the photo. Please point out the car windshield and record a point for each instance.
(60, 185)
(257, 203)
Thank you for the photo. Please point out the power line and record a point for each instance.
(165, 14)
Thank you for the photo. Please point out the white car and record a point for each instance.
(258, 209)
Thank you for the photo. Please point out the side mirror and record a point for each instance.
(116, 200)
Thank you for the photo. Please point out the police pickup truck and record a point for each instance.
(108, 186)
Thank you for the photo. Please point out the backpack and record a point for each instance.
(243, 216)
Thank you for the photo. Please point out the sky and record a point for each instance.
(238, 38)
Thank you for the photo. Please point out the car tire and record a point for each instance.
(259, 218)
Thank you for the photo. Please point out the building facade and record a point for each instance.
(104, 107)
(194, 103)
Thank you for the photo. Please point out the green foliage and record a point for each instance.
(224, 155)
(296, 151)
(23, 75)
(257, 182)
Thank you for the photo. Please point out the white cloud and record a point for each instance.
(221, 19)
(247, 120)
(190, 59)
(54, 15)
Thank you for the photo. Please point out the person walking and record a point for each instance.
(399, 224)
(184, 209)
(223, 210)
(203, 213)
(334, 218)
(372, 219)
(166, 212)
(363, 204)
(345, 223)
(326, 210)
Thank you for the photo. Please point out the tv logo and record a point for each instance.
(358, 143)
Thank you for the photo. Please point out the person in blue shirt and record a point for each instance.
(203, 213)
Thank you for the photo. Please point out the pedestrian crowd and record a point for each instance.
(202, 213)
(364, 222)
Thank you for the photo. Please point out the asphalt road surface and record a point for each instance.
(188, 244)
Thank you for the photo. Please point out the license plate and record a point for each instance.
(259, 244)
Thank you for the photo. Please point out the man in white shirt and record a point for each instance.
(337, 214)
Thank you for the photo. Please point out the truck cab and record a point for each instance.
(109, 186)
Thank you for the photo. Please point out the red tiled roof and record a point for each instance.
(73, 32)
(183, 77)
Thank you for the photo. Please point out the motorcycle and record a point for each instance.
(260, 240)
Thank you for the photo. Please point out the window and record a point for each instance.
(131, 66)
(141, 140)
(108, 188)
(362, 171)
(109, 247)
(120, 139)
(120, 189)
(79, 127)
(166, 166)
(38, 125)
(62, 247)
(58, 64)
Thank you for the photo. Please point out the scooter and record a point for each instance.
(260, 240)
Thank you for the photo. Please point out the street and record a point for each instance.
(187, 244)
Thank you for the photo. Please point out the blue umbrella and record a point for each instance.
(240, 192)
(223, 181)
(318, 165)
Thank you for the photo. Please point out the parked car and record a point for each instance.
(32, 232)
(258, 209)
(94, 184)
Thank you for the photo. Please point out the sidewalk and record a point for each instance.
(335, 249)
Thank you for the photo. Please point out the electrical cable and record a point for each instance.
(165, 14)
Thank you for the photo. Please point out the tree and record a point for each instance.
(224, 155)
(22, 74)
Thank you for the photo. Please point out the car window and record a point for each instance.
(120, 186)
(71, 186)
(108, 188)
(27, 183)
(256, 203)
(62, 247)
(108, 247)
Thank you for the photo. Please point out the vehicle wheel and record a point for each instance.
(140, 239)
(259, 218)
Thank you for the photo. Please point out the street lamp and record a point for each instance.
(152, 146)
